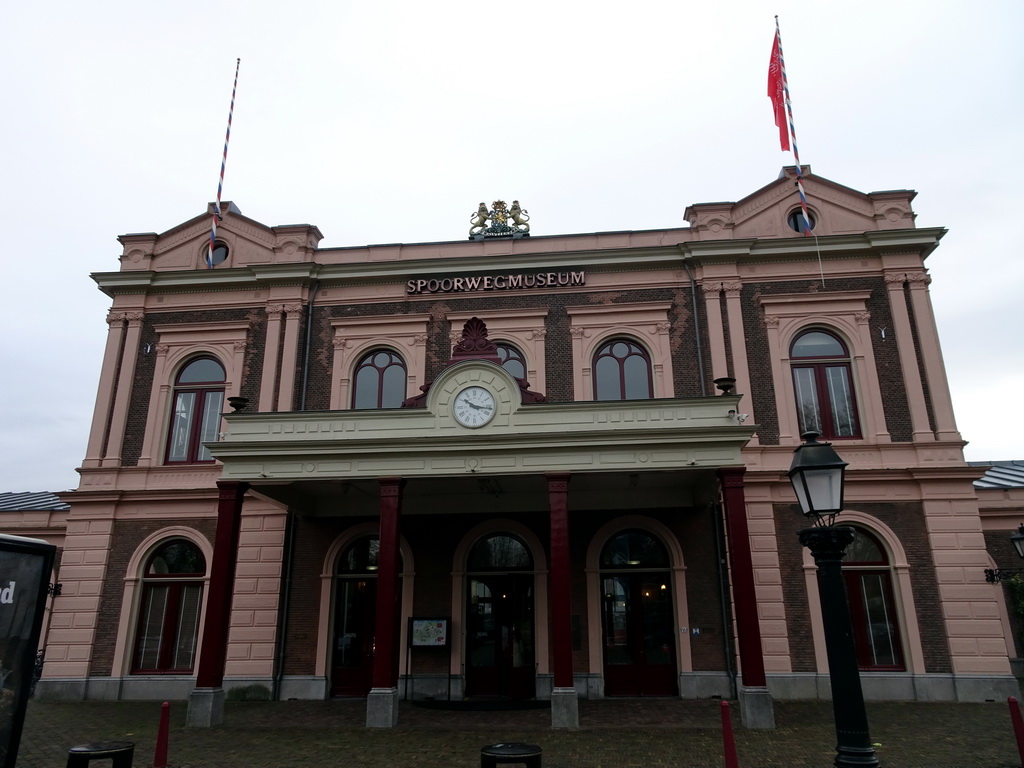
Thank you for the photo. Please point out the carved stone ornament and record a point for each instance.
(340, 343)
(293, 309)
(732, 290)
(116, 318)
(771, 321)
(474, 344)
(239, 346)
(919, 277)
(504, 221)
(861, 317)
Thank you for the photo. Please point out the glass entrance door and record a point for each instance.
(499, 636)
(352, 658)
(639, 644)
(637, 617)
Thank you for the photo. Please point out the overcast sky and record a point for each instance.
(389, 121)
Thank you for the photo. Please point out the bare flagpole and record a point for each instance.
(224, 160)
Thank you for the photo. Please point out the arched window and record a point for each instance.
(379, 380)
(872, 608)
(500, 552)
(622, 371)
(512, 360)
(198, 402)
(172, 597)
(825, 401)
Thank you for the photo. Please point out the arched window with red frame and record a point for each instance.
(379, 380)
(512, 360)
(167, 633)
(876, 631)
(622, 371)
(198, 403)
(823, 383)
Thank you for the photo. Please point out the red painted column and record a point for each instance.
(214, 650)
(385, 658)
(560, 585)
(747, 624)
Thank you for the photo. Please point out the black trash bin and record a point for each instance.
(120, 754)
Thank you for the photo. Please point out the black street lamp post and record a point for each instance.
(817, 474)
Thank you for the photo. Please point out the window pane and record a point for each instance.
(818, 344)
(181, 426)
(367, 388)
(616, 619)
(204, 370)
(844, 421)
(807, 401)
(637, 376)
(634, 549)
(213, 405)
(500, 553)
(658, 623)
(147, 647)
(880, 627)
(361, 556)
(512, 360)
(188, 626)
(606, 379)
(394, 387)
(178, 557)
(864, 549)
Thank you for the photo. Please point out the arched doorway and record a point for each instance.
(500, 627)
(355, 603)
(637, 617)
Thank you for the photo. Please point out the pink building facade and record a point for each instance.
(500, 467)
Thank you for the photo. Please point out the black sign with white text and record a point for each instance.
(25, 566)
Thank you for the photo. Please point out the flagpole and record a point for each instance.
(792, 132)
(224, 160)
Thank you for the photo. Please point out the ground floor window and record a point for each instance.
(872, 607)
(172, 596)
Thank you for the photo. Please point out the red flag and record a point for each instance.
(777, 94)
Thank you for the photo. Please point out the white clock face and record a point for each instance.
(473, 407)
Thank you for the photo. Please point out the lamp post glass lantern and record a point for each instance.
(818, 474)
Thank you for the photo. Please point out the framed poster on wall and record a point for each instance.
(429, 632)
(25, 566)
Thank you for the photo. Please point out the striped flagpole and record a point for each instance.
(224, 160)
(792, 132)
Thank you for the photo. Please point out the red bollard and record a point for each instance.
(1018, 725)
(728, 742)
(160, 755)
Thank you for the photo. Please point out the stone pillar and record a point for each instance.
(289, 357)
(382, 703)
(756, 706)
(565, 711)
(271, 353)
(904, 337)
(931, 357)
(105, 391)
(206, 702)
(119, 415)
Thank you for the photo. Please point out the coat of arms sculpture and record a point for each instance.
(504, 221)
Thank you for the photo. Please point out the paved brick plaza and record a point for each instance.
(614, 734)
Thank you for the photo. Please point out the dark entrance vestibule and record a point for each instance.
(637, 617)
(500, 619)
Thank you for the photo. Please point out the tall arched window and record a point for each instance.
(512, 360)
(825, 401)
(172, 597)
(622, 371)
(379, 380)
(872, 608)
(198, 402)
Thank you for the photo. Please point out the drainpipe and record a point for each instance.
(696, 323)
(305, 351)
(284, 602)
(723, 591)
